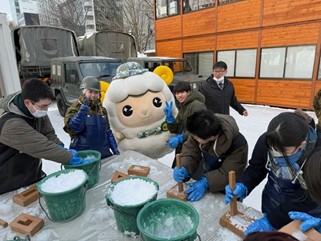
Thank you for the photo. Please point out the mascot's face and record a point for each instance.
(142, 110)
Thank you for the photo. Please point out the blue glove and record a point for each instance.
(169, 112)
(112, 142)
(73, 151)
(174, 141)
(84, 107)
(240, 191)
(308, 221)
(75, 160)
(197, 189)
(259, 225)
(179, 174)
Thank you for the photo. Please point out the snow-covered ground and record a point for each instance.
(251, 127)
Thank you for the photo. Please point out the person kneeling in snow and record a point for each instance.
(215, 147)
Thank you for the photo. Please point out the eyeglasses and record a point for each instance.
(44, 107)
(219, 71)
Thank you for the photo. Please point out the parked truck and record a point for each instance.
(181, 68)
(36, 45)
(67, 73)
(108, 44)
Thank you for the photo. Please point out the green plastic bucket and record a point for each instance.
(65, 205)
(126, 215)
(92, 168)
(168, 219)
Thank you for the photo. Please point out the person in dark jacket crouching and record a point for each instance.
(215, 147)
(87, 122)
(26, 136)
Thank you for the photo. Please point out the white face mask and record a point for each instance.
(220, 79)
(39, 113)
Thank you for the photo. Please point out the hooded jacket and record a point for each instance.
(194, 102)
(24, 140)
(230, 147)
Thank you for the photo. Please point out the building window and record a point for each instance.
(287, 62)
(245, 63)
(165, 8)
(272, 63)
(299, 62)
(201, 63)
(194, 5)
(223, 2)
(229, 58)
(240, 63)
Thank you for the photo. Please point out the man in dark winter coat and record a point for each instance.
(219, 92)
(87, 122)
(26, 136)
(215, 147)
(189, 101)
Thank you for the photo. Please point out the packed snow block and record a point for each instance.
(3, 223)
(26, 197)
(26, 224)
(293, 228)
(117, 175)
(138, 170)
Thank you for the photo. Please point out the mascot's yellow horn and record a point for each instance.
(165, 73)
(103, 86)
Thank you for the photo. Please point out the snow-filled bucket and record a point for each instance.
(92, 168)
(64, 193)
(127, 197)
(168, 219)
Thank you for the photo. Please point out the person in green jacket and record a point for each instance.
(189, 101)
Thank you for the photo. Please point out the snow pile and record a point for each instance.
(133, 191)
(63, 181)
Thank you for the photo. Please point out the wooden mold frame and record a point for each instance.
(26, 224)
(293, 229)
(138, 170)
(117, 175)
(235, 221)
(177, 191)
(26, 197)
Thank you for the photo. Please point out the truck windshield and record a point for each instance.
(99, 69)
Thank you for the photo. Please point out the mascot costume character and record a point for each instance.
(135, 101)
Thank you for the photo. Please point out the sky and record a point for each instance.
(251, 127)
(5, 8)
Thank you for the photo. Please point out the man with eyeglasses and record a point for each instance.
(219, 92)
(26, 136)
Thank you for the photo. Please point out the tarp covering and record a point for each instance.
(36, 45)
(98, 221)
(109, 44)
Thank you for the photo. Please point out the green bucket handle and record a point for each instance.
(69, 219)
(187, 239)
(89, 172)
(110, 204)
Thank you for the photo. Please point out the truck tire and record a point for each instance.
(62, 107)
